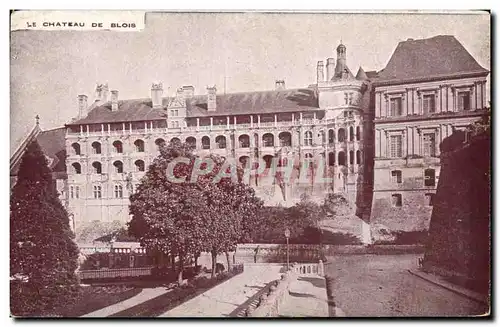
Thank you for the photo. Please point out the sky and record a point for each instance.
(234, 51)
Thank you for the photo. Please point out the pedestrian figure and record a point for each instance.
(256, 250)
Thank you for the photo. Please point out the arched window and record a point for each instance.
(429, 177)
(221, 142)
(308, 138)
(97, 167)
(351, 157)
(358, 133)
(118, 191)
(159, 142)
(139, 145)
(76, 148)
(358, 157)
(268, 140)
(244, 141)
(244, 160)
(191, 141)
(96, 148)
(342, 161)
(321, 136)
(331, 136)
(331, 159)
(175, 140)
(341, 135)
(308, 156)
(285, 139)
(118, 146)
(77, 168)
(268, 159)
(351, 133)
(118, 166)
(205, 142)
(139, 165)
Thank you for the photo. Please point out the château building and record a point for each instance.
(374, 135)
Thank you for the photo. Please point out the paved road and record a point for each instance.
(381, 286)
(221, 300)
(307, 298)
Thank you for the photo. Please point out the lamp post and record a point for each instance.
(287, 235)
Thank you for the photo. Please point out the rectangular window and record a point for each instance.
(429, 145)
(463, 100)
(97, 192)
(396, 176)
(396, 144)
(77, 192)
(395, 107)
(118, 191)
(71, 193)
(429, 199)
(429, 104)
(429, 177)
(397, 200)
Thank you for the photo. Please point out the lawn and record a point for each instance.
(92, 298)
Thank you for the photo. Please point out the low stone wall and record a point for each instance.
(269, 304)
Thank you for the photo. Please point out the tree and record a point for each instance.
(231, 206)
(43, 255)
(335, 205)
(191, 216)
(168, 217)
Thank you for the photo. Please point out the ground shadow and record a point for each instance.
(295, 294)
(315, 281)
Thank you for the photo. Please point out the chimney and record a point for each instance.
(157, 94)
(321, 72)
(280, 84)
(330, 68)
(211, 98)
(101, 92)
(114, 100)
(188, 91)
(82, 106)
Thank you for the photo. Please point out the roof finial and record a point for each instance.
(37, 119)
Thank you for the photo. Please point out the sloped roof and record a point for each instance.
(256, 102)
(371, 74)
(361, 75)
(128, 111)
(53, 146)
(291, 100)
(441, 55)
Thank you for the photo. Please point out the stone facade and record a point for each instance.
(412, 118)
(373, 137)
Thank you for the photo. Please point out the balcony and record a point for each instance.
(256, 125)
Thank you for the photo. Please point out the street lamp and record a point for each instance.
(287, 235)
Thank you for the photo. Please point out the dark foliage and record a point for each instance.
(43, 255)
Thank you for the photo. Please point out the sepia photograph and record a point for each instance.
(251, 164)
